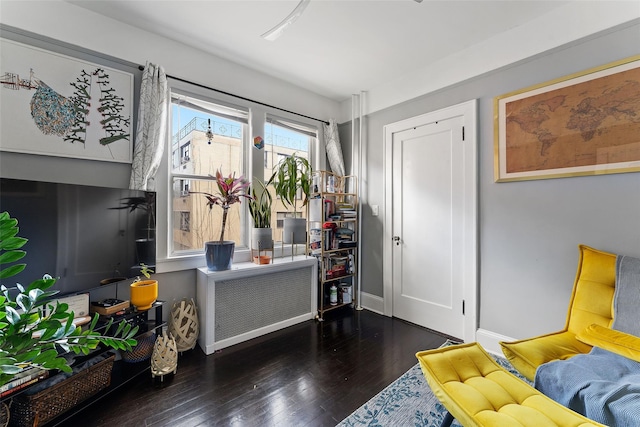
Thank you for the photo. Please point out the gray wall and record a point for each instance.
(528, 231)
(171, 286)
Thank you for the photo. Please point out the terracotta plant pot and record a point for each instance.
(144, 293)
(262, 259)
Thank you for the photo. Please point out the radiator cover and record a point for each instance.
(251, 300)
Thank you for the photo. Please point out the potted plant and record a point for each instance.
(260, 210)
(291, 176)
(144, 292)
(35, 330)
(219, 254)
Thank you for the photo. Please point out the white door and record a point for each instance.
(429, 214)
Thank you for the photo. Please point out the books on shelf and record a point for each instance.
(23, 379)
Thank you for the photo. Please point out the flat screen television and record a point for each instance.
(84, 236)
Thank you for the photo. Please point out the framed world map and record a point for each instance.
(583, 124)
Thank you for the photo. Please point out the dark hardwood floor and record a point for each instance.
(310, 374)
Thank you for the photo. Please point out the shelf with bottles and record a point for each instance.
(336, 294)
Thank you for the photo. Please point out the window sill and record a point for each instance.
(195, 261)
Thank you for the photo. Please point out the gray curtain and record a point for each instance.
(333, 147)
(149, 141)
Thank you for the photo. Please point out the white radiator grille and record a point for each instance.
(246, 304)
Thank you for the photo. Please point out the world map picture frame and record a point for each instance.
(57, 105)
(586, 123)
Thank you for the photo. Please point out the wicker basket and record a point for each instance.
(41, 407)
(142, 351)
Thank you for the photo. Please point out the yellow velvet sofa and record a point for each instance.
(591, 304)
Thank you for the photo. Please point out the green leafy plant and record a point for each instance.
(260, 206)
(291, 174)
(36, 330)
(145, 270)
(230, 190)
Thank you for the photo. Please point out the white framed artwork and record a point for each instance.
(53, 104)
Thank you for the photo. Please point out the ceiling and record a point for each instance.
(335, 48)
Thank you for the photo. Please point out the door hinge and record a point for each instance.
(463, 133)
(463, 307)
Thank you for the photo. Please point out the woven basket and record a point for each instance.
(39, 408)
(142, 351)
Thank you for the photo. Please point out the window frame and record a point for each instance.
(253, 165)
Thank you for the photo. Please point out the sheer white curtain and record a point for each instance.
(152, 124)
(333, 147)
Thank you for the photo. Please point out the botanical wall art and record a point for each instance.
(584, 124)
(53, 104)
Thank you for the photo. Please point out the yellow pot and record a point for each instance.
(144, 293)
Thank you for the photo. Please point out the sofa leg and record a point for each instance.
(448, 419)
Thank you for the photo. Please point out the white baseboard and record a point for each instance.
(487, 339)
(372, 302)
(491, 341)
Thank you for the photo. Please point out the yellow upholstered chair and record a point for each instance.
(479, 393)
(591, 303)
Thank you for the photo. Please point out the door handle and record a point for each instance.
(397, 240)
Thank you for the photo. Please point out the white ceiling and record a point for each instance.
(335, 48)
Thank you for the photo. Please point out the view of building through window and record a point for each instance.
(195, 158)
(280, 143)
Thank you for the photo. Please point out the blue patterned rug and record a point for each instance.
(408, 401)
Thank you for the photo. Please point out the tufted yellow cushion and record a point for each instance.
(621, 343)
(478, 392)
(591, 303)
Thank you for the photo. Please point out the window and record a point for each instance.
(282, 139)
(190, 161)
(205, 137)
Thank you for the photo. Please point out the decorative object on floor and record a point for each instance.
(144, 292)
(183, 324)
(86, 112)
(164, 359)
(20, 350)
(582, 124)
(408, 401)
(291, 176)
(219, 254)
(142, 351)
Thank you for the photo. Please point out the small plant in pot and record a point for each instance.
(219, 254)
(260, 210)
(144, 292)
(291, 178)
